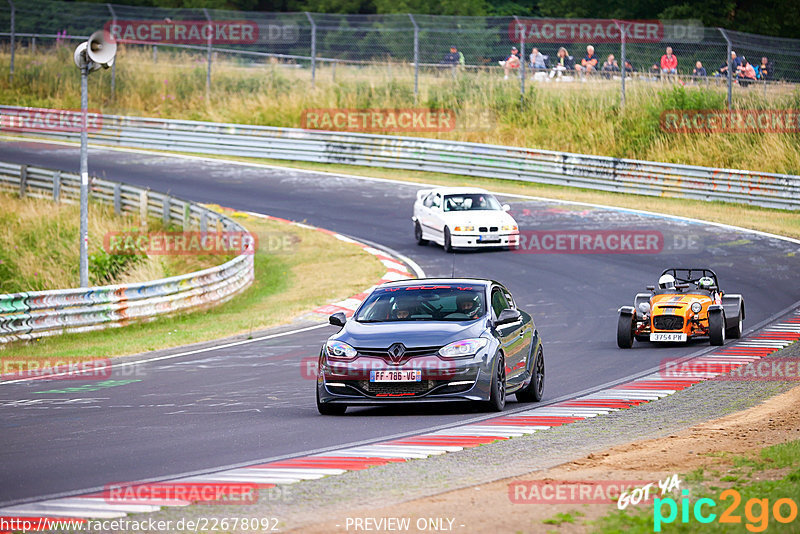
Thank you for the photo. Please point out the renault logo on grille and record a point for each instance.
(396, 352)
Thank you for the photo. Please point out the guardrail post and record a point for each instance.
(117, 198)
(114, 64)
(143, 208)
(155, 55)
(313, 47)
(165, 211)
(23, 180)
(416, 56)
(187, 217)
(57, 186)
(33, 44)
(13, 38)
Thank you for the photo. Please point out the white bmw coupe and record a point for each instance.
(463, 217)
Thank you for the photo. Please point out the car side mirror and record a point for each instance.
(337, 319)
(506, 207)
(508, 316)
(650, 288)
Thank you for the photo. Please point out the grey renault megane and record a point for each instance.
(431, 340)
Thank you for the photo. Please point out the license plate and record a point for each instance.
(667, 336)
(489, 237)
(412, 375)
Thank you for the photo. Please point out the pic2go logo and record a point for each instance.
(756, 511)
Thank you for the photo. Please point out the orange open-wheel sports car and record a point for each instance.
(687, 303)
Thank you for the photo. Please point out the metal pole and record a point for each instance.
(210, 33)
(84, 235)
(113, 65)
(313, 48)
(155, 55)
(521, 62)
(623, 69)
(416, 56)
(730, 74)
(13, 38)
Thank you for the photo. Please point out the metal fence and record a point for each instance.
(318, 41)
(422, 154)
(35, 314)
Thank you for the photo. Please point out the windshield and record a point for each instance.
(471, 201)
(423, 303)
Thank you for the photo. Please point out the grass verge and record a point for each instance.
(288, 282)
(38, 247)
(774, 473)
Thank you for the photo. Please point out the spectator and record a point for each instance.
(610, 66)
(699, 70)
(669, 63)
(745, 73)
(564, 62)
(588, 63)
(454, 57)
(511, 62)
(629, 67)
(764, 71)
(537, 60)
(735, 63)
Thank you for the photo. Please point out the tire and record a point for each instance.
(448, 245)
(625, 328)
(716, 328)
(330, 409)
(735, 331)
(535, 390)
(497, 400)
(418, 235)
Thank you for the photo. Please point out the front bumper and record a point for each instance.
(442, 380)
(475, 240)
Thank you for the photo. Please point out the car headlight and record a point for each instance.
(696, 307)
(464, 229)
(644, 307)
(463, 348)
(510, 228)
(338, 350)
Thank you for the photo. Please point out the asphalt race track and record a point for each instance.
(252, 402)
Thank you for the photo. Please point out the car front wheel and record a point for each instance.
(497, 400)
(330, 409)
(625, 330)
(448, 244)
(418, 235)
(716, 328)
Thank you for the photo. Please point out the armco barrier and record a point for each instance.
(43, 313)
(423, 154)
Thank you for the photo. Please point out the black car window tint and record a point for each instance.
(498, 302)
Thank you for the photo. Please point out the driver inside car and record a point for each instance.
(402, 311)
(466, 305)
